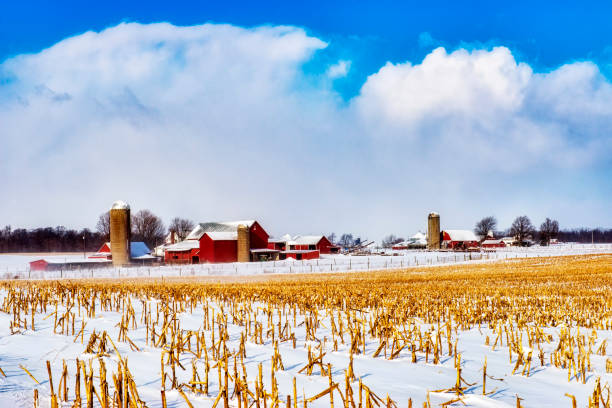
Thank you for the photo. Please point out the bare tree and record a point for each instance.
(485, 225)
(148, 227)
(332, 237)
(103, 225)
(549, 229)
(181, 226)
(522, 229)
(346, 240)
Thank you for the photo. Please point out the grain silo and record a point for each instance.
(244, 245)
(433, 231)
(120, 230)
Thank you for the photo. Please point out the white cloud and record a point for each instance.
(339, 70)
(218, 121)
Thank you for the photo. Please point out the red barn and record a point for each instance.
(217, 242)
(300, 254)
(459, 239)
(493, 243)
(313, 242)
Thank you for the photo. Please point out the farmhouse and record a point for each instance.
(217, 242)
(459, 239)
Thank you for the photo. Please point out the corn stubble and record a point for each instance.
(414, 315)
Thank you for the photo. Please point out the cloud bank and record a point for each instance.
(222, 122)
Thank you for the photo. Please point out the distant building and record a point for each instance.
(417, 241)
(138, 250)
(303, 247)
(218, 242)
(459, 239)
(493, 243)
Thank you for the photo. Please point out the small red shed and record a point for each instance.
(459, 239)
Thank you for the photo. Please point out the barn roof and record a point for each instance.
(138, 249)
(461, 235)
(205, 227)
(223, 236)
(492, 242)
(183, 246)
(307, 239)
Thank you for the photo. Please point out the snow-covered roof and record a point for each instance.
(223, 236)
(419, 235)
(492, 242)
(307, 239)
(183, 246)
(120, 205)
(205, 227)
(461, 235)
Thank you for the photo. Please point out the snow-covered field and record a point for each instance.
(17, 266)
(401, 377)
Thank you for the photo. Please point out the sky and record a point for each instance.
(319, 117)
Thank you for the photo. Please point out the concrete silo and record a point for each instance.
(244, 245)
(120, 233)
(433, 231)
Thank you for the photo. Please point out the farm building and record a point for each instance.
(138, 250)
(46, 265)
(493, 243)
(303, 247)
(217, 242)
(459, 239)
(313, 242)
(417, 241)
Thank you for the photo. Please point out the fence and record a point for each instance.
(335, 263)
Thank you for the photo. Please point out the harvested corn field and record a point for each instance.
(531, 333)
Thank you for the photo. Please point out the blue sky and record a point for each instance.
(364, 121)
(546, 34)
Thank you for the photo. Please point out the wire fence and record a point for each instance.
(326, 264)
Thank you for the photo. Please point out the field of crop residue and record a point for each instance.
(531, 333)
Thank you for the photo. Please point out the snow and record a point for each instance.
(400, 378)
(17, 266)
(461, 235)
(120, 205)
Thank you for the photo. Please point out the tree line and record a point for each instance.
(146, 227)
(525, 232)
(49, 239)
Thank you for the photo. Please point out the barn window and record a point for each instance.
(312, 247)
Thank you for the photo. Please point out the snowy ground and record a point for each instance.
(17, 266)
(400, 378)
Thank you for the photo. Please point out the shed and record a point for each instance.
(459, 239)
(493, 243)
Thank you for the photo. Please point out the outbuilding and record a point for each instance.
(311, 243)
(493, 243)
(459, 239)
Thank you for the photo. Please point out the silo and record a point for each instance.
(244, 245)
(120, 230)
(433, 231)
